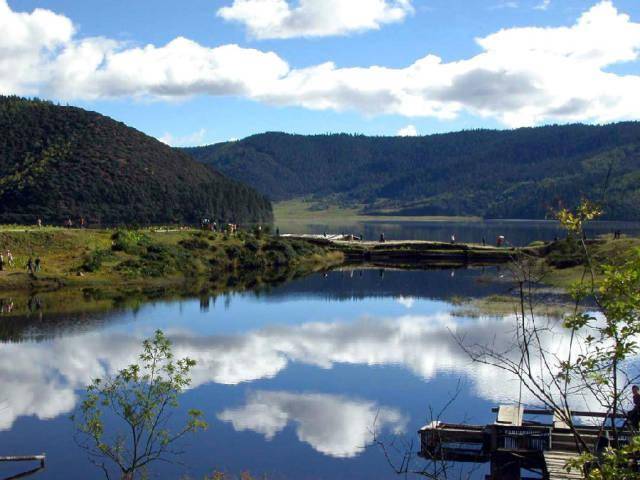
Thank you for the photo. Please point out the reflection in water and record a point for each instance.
(331, 424)
(424, 344)
(353, 343)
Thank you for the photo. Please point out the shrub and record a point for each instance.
(252, 245)
(129, 241)
(93, 261)
(194, 243)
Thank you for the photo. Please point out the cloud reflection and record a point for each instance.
(41, 379)
(332, 424)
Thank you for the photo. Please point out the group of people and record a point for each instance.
(8, 261)
(207, 224)
(6, 258)
(212, 226)
(68, 223)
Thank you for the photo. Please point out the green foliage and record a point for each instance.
(194, 243)
(252, 244)
(129, 241)
(93, 261)
(521, 173)
(143, 396)
(610, 340)
(612, 464)
(58, 162)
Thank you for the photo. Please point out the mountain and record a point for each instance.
(58, 161)
(519, 173)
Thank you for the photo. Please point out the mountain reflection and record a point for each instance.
(52, 372)
(332, 424)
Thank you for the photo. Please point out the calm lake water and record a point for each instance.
(517, 232)
(291, 379)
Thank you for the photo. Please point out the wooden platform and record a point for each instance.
(510, 448)
(555, 462)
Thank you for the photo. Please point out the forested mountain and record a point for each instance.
(58, 161)
(496, 174)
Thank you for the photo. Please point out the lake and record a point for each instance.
(516, 232)
(292, 379)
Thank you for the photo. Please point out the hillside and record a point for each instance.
(58, 162)
(495, 174)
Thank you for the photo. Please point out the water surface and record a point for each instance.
(516, 232)
(292, 379)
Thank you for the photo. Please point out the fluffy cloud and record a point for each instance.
(313, 18)
(408, 131)
(523, 76)
(29, 41)
(332, 424)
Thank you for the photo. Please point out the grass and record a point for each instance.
(604, 251)
(297, 212)
(147, 257)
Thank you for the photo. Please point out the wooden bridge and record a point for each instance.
(511, 445)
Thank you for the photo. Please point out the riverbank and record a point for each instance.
(557, 264)
(150, 258)
(88, 271)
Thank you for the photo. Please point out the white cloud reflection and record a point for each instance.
(332, 424)
(41, 379)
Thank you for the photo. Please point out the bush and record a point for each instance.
(93, 261)
(232, 251)
(194, 243)
(252, 245)
(129, 241)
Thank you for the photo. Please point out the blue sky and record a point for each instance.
(492, 85)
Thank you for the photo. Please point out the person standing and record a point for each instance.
(10, 258)
(37, 264)
(30, 266)
(1, 262)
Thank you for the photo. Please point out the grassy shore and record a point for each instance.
(153, 258)
(565, 264)
(291, 213)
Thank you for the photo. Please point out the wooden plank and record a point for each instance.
(23, 458)
(555, 466)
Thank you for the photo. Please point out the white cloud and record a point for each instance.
(313, 18)
(543, 5)
(523, 76)
(408, 131)
(503, 5)
(189, 140)
(332, 424)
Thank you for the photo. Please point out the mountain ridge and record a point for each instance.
(521, 173)
(62, 161)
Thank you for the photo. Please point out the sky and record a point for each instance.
(196, 72)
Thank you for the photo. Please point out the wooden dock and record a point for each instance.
(555, 465)
(25, 458)
(510, 448)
